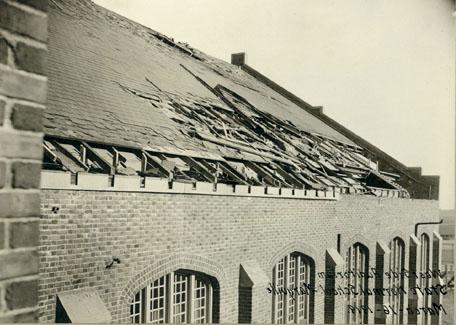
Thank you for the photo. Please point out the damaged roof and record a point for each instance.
(94, 54)
(116, 85)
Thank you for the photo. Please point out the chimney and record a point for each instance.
(318, 109)
(239, 59)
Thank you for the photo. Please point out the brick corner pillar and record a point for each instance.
(414, 298)
(23, 82)
(334, 306)
(254, 300)
(436, 297)
(382, 255)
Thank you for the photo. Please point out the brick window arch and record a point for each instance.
(294, 270)
(397, 265)
(181, 296)
(356, 261)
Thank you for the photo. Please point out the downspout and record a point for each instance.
(426, 223)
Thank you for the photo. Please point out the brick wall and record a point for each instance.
(23, 34)
(156, 233)
(245, 305)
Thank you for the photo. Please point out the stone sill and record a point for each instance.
(57, 180)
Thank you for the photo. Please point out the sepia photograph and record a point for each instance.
(227, 161)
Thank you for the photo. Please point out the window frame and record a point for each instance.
(177, 285)
(356, 260)
(397, 265)
(302, 271)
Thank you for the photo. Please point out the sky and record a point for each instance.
(385, 69)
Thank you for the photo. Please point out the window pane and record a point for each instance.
(157, 301)
(397, 247)
(356, 260)
(291, 285)
(200, 301)
(135, 309)
(280, 283)
(180, 303)
(304, 279)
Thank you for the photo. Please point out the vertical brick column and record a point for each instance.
(334, 308)
(414, 300)
(382, 253)
(436, 298)
(406, 284)
(23, 35)
(371, 285)
(254, 301)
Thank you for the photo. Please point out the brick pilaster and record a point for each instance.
(23, 52)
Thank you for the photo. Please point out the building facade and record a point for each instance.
(179, 188)
(239, 241)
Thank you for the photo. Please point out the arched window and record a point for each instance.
(179, 297)
(425, 266)
(295, 270)
(357, 261)
(397, 260)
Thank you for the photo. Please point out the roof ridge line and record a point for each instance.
(317, 112)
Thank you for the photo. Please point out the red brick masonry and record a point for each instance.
(23, 54)
(157, 233)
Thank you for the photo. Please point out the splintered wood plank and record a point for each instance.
(68, 154)
(205, 173)
(92, 154)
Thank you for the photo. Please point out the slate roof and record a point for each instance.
(94, 52)
(115, 82)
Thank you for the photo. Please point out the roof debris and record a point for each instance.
(165, 114)
(286, 155)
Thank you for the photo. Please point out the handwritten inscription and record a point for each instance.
(307, 289)
(390, 310)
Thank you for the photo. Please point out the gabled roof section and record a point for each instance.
(124, 99)
(94, 54)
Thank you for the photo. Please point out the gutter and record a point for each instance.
(426, 223)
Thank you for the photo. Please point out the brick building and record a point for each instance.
(179, 188)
